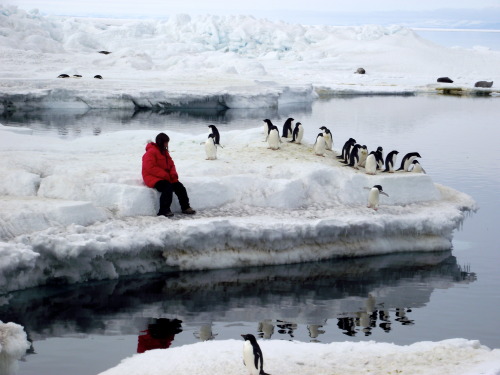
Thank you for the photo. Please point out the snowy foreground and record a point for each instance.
(448, 357)
(216, 62)
(75, 210)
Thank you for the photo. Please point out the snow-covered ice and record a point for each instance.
(13, 346)
(448, 357)
(77, 209)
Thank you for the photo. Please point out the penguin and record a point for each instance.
(252, 355)
(371, 163)
(417, 168)
(328, 137)
(354, 156)
(349, 142)
(105, 52)
(273, 138)
(287, 128)
(298, 133)
(373, 196)
(380, 157)
(363, 154)
(211, 147)
(216, 134)
(98, 76)
(390, 161)
(408, 160)
(77, 76)
(347, 151)
(319, 147)
(63, 76)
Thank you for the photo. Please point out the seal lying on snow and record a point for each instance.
(483, 84)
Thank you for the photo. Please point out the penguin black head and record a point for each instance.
(211, 135)
(379, 148)
(297, 124)
(320, 135)
(249, 337)
(415, 161)
(379, 187)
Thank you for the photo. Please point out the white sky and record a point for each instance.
(167, 7)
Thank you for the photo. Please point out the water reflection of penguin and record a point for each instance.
(159, 335)
(347, 325)
(286, 327)
(266, 329)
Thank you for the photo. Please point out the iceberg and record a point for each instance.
(77, 210)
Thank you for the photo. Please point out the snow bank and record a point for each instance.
(215, 62)
(74, 210)
(13, 345)
(448, 357)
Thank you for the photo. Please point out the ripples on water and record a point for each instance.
(400, 298)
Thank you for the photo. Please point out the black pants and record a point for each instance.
(167, 189)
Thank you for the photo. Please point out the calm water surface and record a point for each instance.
(401, 298)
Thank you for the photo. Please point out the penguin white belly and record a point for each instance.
(273, 139)
(417, 168)
(320, 146)
(300, 135)
(362, 157)
(373, 198)
(409, 162)
(371, 164)
(249, 359)
(210, 149)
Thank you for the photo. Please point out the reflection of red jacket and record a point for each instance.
(147, 342)
(157, 167)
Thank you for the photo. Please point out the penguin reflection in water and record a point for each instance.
(252, 356)
(373, 196)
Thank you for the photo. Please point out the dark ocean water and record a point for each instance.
(400, 298)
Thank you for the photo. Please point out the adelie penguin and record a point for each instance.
(287, 128)
(380, 157)
(408, 160)
(252, 356)
(328, 137)
(346, 150)
(298, 133)
(363, 154)
(371, 163)
(354, 156)
(390, 161)
(273, 137)
(216, 134)
(319, 147)
(417, 168)
(211, 147)
(374, 195)
(267, 126)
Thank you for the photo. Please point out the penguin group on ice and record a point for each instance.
(353, 154)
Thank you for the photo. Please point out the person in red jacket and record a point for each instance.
(158, 171)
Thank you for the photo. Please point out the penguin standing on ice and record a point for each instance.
(373, 196)
(354, 156)
(408, 160)
(252, 355)
(371, 163)
(390, 161)
(211, 147)
(319, 147)
(363, 154)
(417, 168)
(328, 137)
(298, 133)
(216, 134)
(380, 157)
(273, 137)
(287, 128)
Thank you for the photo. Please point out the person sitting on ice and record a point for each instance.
(158, 172)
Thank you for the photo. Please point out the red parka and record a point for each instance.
(157, 167)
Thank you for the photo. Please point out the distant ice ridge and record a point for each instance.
(76, 210)
(215, 62)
